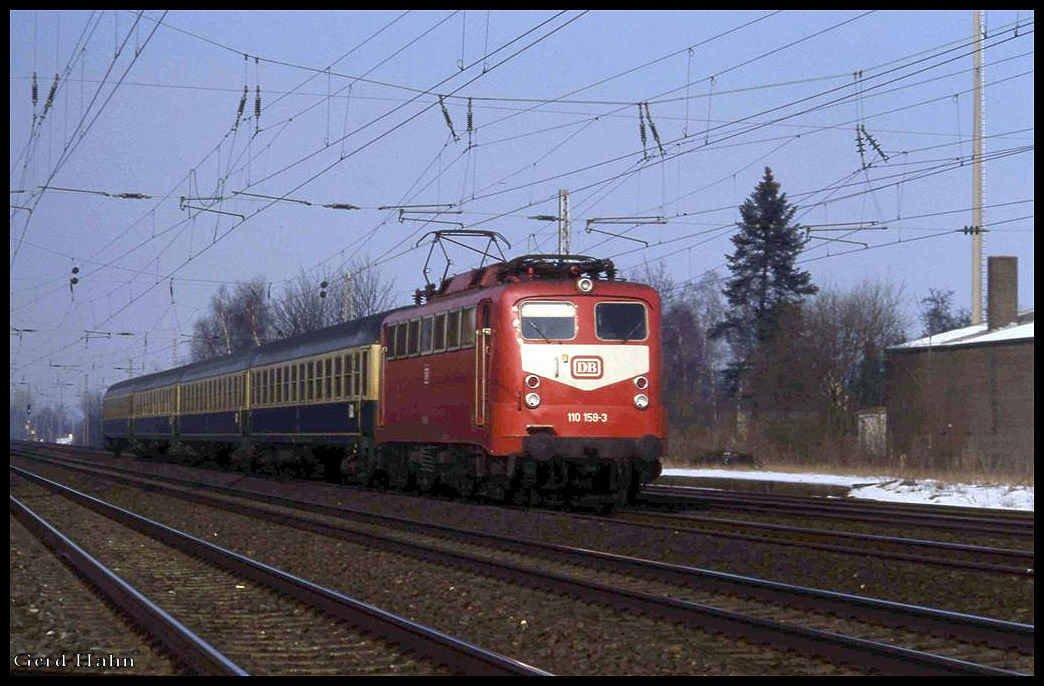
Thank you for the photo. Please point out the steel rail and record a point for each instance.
(672, 496)
(850, 650)
(1020, 562)
(995, 632)
(426, 641)
(195, 655)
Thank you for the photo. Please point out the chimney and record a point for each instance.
(1002, 306)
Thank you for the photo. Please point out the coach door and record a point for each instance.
(483, 334)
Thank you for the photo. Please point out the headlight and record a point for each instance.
(641, 401)
(641, 383)
(532, 400)
(585, 285)
(532, 380)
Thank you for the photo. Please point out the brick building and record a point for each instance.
(964, 398)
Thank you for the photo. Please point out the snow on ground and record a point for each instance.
(928, 491)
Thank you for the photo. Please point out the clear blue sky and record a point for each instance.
(350, 114)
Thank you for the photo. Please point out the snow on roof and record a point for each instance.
(968, 335)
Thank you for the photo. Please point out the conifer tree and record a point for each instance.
(764, 276)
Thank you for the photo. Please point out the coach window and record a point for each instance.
(347, 374)
(467, 327)
(355, 375)
(337, 377)
(452, 329)
(327, 378)
(364, 388)
(548, 321)
(620, 321)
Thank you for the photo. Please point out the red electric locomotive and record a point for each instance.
(536, 379)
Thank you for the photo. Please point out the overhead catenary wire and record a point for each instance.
(509, 57)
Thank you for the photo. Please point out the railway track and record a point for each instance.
(900, 548)
(260, 617)
(742, 607)
(1002, 523)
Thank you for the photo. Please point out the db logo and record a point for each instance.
(587, 368)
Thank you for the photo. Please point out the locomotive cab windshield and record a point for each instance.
(548, 321)
(620, 321)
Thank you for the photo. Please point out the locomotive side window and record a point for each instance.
(452, 329)
(400, 339)
(620, 321)
(439, 341)
(427, 329)
(365, 372)
(413, 348)
(467, 327)
(548, 321)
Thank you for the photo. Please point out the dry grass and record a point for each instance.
(824, 454)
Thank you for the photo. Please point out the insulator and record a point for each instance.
(50, 96)
(75, 270)
(257, 103)
(449, 122)
(36, 91)
(641, 128)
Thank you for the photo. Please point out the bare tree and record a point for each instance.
(826, 356)
(937, 315)
(324, 298)
(691, 357)
(238, 319)
(89, 430)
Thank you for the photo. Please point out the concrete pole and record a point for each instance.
(978, 176)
